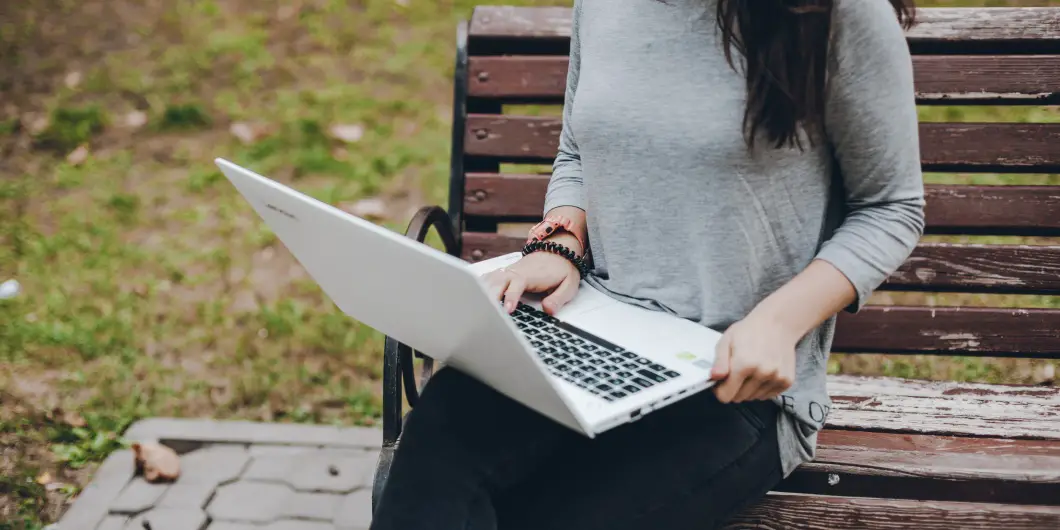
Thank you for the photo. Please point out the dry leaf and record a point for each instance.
(347, 133)
(44, 479)
(78, 156)
(135, 119)
(157, 462)
(73, 419)
(371, 208)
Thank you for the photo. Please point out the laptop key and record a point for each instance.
(657, 367)
(562, 356)
(590, 368)
(609, 368)
(628, 355)
(603, 387)
(576, 340)
(631, 389)
(582, 355)
(548, 349)
(577, 374)
(563, 367)
(568, 348)
(596, 361)
(590, 380)
(630, 366)
(671, 374)
(642, 361)
(618, 394)
(563, 335)
(615, 381)
(643, 383)
(624, 374)
(591, 347)
(550, 361)
(652, 375)
(576, 362)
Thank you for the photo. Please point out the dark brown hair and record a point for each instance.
(785, 47)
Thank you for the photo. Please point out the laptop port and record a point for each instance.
(634, 415)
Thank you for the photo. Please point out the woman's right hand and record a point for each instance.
(537, 272)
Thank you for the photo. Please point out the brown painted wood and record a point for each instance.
(1035, 28)
(997, 210)
(980, 268)
(950, 79)
(783, 511)
(951, 331)
(1008, 269)
(943, 408)
(989, 147)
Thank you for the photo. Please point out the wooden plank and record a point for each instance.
(950, 79)
(943, 408)
(942, 468)
(994, 210)
(783, 511)
(985, 147)
(1007, 269)
(1031, 27)
(1027, 333)
(980, 268)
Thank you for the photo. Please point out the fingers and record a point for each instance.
(772, 390)
(750, 389)
(563, 294)
(497, 283)
(514, 291)
(722, 358)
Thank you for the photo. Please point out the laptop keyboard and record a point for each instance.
(602, 368)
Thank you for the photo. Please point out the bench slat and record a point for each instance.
(943, 408)
(1026, 333)
(995, 210)
(1010, 269)
(1022, 28)
(782, 511)
(972, 147)
(949, 79)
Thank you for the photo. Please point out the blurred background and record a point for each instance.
(147, 287)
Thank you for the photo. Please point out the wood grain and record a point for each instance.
(949, 79)
(944, 468)
(940, 29)
(943, 408)
(1009, 269)
(1027, 333)
(994, 210)
(971, 147)
(782, 511)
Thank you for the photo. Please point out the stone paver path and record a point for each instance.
(237, 476)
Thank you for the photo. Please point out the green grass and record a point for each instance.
(150, 288)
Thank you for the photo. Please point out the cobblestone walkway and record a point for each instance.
(237, 476)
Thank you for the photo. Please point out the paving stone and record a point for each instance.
(113, 522)
(311, 506)
(249, 501)
(108, 482)
(188, 493)
(216, 463)
(324, 471)
(278, 450)
(271, 468)
(252, 432)
(169, 519)
(355, 512)
(138, 495)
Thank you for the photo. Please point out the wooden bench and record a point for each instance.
(895, 453)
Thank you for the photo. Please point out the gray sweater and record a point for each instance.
(683, 218)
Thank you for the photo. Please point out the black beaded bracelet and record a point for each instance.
(556, 248)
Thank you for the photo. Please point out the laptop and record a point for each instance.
(596, 364)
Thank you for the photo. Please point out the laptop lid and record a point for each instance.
(421, 296)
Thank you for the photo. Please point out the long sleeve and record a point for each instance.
(565, 186)
(871, 123)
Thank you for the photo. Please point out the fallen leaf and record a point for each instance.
(371, 208)
(73, 80)
(351, 133)
(135, 119)
(73, 419)
(249, 132)
(55, 486)
(78, 156)
(157, 462)
(37, 124)
(44, 478)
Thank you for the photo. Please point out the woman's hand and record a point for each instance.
(538, 272)
(755, 360)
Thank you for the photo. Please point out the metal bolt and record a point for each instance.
(477, 254)
(483, 76)
(481, 134)
(833, 479)
(333, 470)
(480, 195)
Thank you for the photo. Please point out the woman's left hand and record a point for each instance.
(755, 360)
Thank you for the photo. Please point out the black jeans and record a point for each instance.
(473, 459)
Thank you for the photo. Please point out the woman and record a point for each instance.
(749, 165)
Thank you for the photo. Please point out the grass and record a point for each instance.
(149, 287)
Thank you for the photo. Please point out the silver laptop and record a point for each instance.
(596, 364)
